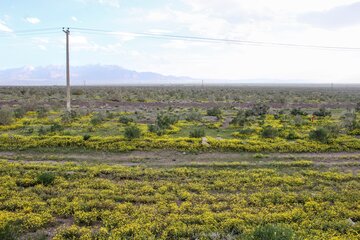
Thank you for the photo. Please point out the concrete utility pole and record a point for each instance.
(68, 91)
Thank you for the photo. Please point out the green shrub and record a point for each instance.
(125, 120)
(269, 132)
(259, 109)
(292, 136)
(322, 112)
(240, 119)
(43, 130)
(19, 112)
(298, 111)
(164, 121)
(97, 119)
(132, 132)
(46, 178)
(68, 117)
(86, 137)
(215, 112)
(273, 232)
(197, 133)
(41, 112)
(6, 116)
(247, 131)
(321, 134)
(9, 231)
(56, 127)
(193, 116)
(357, 107)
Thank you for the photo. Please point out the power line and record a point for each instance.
(33, 32)
(215, 40)
(49, 31)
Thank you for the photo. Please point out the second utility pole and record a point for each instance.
(68, 91)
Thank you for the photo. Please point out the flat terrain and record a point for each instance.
(160, 158)
(214, 163)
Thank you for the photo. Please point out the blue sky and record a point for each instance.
(320, 22)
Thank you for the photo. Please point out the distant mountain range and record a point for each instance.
(88, 74)
(116, 75)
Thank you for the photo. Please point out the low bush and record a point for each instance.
(240, 119)
(19, 112)
(215, 112)
(46, 178)
(9, 231)
(197, 133)
(97, 119)
(269, 132)
(125, 120)
(6, 116)
(322, 112)
(68, 117)
(86, 137)
(273, 232)
(41, 112)
(132, 132)
(298, 111)
(193, 116)
(321, 134)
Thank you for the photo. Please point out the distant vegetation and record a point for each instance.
(232, 119)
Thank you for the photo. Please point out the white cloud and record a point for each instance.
(4, 27)
(74, 19)
(111, 3)
(42, 47)
(32, 20)
(82, 43)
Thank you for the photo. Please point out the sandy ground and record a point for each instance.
(172, 158)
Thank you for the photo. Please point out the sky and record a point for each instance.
(309, 22)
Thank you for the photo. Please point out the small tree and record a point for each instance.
(132, 132)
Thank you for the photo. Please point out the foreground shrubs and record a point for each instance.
(226, 201)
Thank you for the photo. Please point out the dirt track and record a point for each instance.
(350, 161)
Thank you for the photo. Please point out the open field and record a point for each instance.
(180, 163)
(205, 196)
